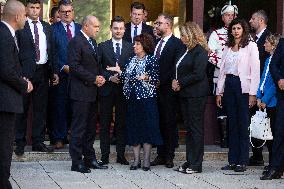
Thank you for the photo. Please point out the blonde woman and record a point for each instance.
(192, 87)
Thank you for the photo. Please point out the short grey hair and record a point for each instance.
(262, 14)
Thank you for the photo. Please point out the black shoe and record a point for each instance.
(104, 161)
(169, 163)
(158, 161)
(94, 165)
(135, 167)
(240, 168)
(20, 149)
(42, 148)
(80, 168)
(271, 174)
(122, 160)
(255, 162)
(229, 167)
(265, 169)
(146, 168)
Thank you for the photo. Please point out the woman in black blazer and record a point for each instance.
(192, 86)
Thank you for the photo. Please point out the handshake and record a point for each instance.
(100, 80)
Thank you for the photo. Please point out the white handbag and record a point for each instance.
(260, 127)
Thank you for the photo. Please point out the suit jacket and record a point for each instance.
(107, 57)
(263, 55)
(173, 49)
(12, 85)
(248, 69)
(191, 73)
(277, 66)
(145, 29)
(27, 51)
(84, 68)
(60, 44)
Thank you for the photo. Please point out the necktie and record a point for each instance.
(36, 41)
(16, 42)
(69, 33)
(135, 31)
(91, 43)
(158, 52)
(117, 51)
(256, 38)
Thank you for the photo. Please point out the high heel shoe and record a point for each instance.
(135, 167)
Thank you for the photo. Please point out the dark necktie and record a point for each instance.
(158, 52)
(135, 31)
(256, 38)
(16, 42)
(36, 41)
(68, 31)
(91, 43)
(117, 51)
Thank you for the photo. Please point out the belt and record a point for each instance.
(231, 76)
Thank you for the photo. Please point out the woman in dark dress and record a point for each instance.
(140, 77)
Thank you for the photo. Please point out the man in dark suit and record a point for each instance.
(84, 80)
(136, 26)
(276, 168)
(63, 32)
(168, 50)
(12, 85)
(111, 52)
(36, 59)
(258, 22)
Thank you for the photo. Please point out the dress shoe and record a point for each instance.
(104, 161)
(271, 174)
(122, 160)
(158, 161)
(20, 149)
(135, 167)
(80, 168)
(95, 165)
(42, 148)
(229, 167)
(169, 163)
(59, 145)
(146, 168)
(255, 162)
(240, 168)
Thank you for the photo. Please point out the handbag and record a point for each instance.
(260, 127)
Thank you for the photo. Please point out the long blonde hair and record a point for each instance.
(193, 35)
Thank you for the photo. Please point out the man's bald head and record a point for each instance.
(91, 25)
(14, 13)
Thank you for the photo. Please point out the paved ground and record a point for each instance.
(57, 175)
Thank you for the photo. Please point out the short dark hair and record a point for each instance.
(53, 12)
(137, 5)
(117, 19)
(65, 3)
(168, 17)
(263, 15)
(245, 38)
(146, 41)
(33, 1)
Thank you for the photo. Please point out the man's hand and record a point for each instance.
(219, 101)
(175, 85)
(100, 80)
(115, 79)
(281, 84)
(55, 79)
(252, 101)
(66, 69)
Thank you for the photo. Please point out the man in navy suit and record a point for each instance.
(111, 52)
(12, 84)
(167, 51)
(63, 32)
(136, 26)
(84, 80)
(35, 44)
(276, 168)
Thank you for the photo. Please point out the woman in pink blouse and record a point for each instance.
(237, 84)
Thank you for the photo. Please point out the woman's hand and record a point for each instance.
(116, 68)
(143, 77)
(252, 101)
(258, 103)
(262, 105)
(219, 101)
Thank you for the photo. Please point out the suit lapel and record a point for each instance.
(89, 46)
(29, 32)
(110, 51)
(166, 47)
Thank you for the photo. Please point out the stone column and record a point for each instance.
(195, 10)
(280, 17)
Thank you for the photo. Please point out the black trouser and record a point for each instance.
(167, 103)
(7, 125)
(38, 97)
(115, 99)
(83, 131)
(193, 115)
(278, 144)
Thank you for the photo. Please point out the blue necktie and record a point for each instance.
(117, 51)
(91, 43)
(135, 31)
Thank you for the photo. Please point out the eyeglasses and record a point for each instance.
(160, 23)
(66, 12)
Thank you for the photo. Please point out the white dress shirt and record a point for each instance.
(72, 27)
(114, 44)
(139, 29)
(259, 34)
